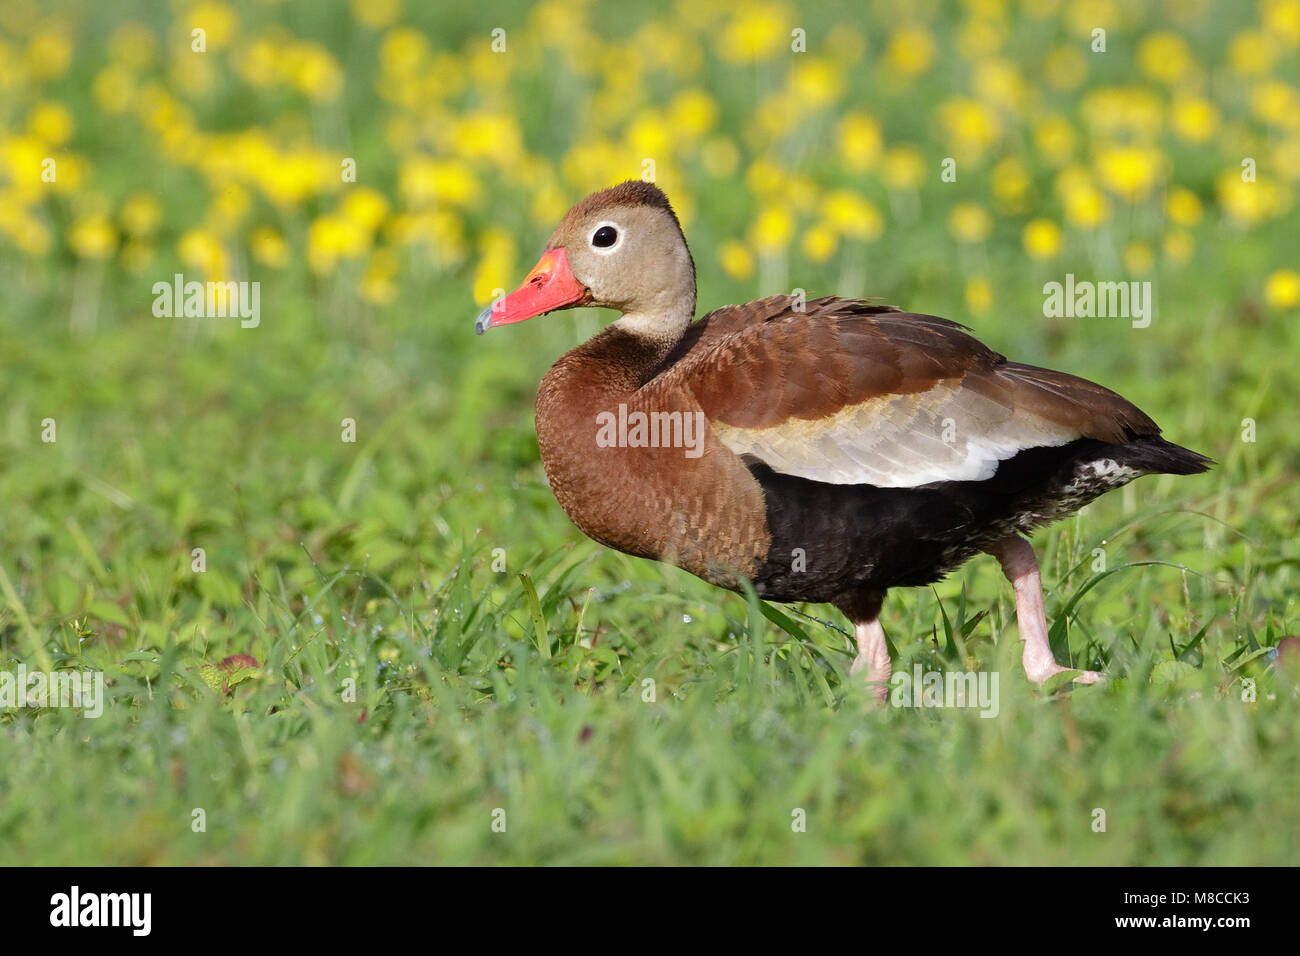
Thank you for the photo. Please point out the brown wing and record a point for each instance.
(851, 393)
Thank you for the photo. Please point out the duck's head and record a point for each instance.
(621, 248)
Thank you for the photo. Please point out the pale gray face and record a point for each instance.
(631, 258)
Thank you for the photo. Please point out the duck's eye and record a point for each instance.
(605, 236)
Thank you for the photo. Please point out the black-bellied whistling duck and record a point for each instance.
(842, 448)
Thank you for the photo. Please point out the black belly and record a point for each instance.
(832, 540)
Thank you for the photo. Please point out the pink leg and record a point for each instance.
(1016, 556)
(873, 654)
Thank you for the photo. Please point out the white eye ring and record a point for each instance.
(606, 250)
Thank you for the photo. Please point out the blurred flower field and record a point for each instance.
(383, 168)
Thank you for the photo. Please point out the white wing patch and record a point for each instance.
(946, 433)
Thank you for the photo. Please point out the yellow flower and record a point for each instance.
(1282, 289)
(1193, 119)
(93, 238)
(910, 52)
(1041, 238)
(756, 33)
(859, 141)
(314, 72)
(736, 260)
(132, 45)
(904, 167)
(1121, 111)
(216, 20)
(1281, 18)
(268, 247)
(48, 54)
(1276, 103)
(817, 82)
(1139, 258)
(376, 14)
(969, 222)
(1165, 57)
(693, 112)
(1183, 207)
(377, 283)
(998, 81)
(331, 238)
(720, 157)
(979, 295)
(365, 207)
(51, 123)
(1054, 138)
(1250, 203)
(1252, 52)
(1179, 246)
(140, 214)
(819, 242)
(403, 51)
(137, 255)
(1066, 67)
(1011, 184)
(113, 88)
(200, 249)
(971, 127)
(773, 229)
(1085, 206)
(1130, 171)
(496, 266)
(423, 180)
(852, 215)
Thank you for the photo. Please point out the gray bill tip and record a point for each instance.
(483, 321)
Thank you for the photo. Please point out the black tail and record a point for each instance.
(1152, 453)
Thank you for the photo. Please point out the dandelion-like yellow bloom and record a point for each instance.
(377, 282)
(773, 229)
(1130, 171)
(132, 46)
(1041, 238)
(971, 126)
(819, 242)
(910, 52)
(817, 81)
(1139, 258)
(268, 247)
(1277, 104)
(692, 113)
(736, 259)
(93, 238)
(1281, 19)
(859, 141)
(1193, 119)
(496, 266)
(1252, 53)
(217, 20)
(904, 167)
(1248, 204)
(852, 215)
(757, 32)
(1165, 57)
(1179, 246)
(140, 214)
(201, 249)
(1011, 184)
(1183, 207)
(1282, 289)
(376, 14)
(331, 239)
(51, 123)
(979, 295)
(969, 222)
(48, 54)
(1054, 138)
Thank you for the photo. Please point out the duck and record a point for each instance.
(824, 450)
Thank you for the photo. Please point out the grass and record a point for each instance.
(440, 651)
